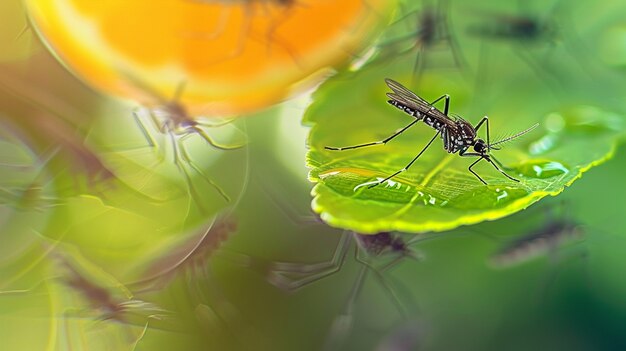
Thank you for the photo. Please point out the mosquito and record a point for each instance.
(556, 230)
(458, 135)
(431, 30)
(103, 303)
(535, 37)
(171, 118)
(279, 11)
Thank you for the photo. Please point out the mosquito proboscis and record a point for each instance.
(458, 135)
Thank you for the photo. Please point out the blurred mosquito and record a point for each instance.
(105, 304)
(457, 134)
(557, 237)
(522, 27)
(171, 118)
(541, 32)
(431, 30)
(376, 254)
(284, 8)
(556, 230)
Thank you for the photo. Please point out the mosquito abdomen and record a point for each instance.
(410, 111)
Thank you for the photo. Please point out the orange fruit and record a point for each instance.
(232, 56)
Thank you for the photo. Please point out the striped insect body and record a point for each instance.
(457, 134)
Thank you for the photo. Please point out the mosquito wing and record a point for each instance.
(412, 104)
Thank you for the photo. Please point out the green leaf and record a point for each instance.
(438, 192)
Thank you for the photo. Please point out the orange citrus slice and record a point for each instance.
(232, 56)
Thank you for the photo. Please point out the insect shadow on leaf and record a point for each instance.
(169, 119)
(457, 134)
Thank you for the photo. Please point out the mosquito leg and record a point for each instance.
(141, 335)
(177, 161)
(500, 164)
(383, 283)
(418, 64)
(222, 22)
(474, 173)
(342, 324)
(288, 210)
(144, 130)
(278, 275)
(472, 154)
(214, 125)
(380, 142)
(292, 267)
(187, 158)
(501, 171)
(408, 165)
(459, 59)
(446, 105)
(215, 144)
(393, 263)
(480, 124)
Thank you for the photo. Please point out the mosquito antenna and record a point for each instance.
(514, 136)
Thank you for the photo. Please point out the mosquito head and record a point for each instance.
(480, 146)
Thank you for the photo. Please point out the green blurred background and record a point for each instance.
(90, 216)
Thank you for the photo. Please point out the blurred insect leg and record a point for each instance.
(28, 26)
(204, 123)
(455, 48)
(409, 164)
(248, 9)
(342, 324)
(141, 336)
(215, 144)
(548, 76)
(367, 10)
(23, 31)
(220, 26)
(181, 168)
(383, 282)
(234, 321)
(482, 78)
(184, 154)
(68, 335)
(272, 37)
(380, 142)
(418, 65)
(281, 273)
(288, 209)
(223, 313)
(205, 280)
(76, 313)
(248, 15)
(399, 258)
(152, 143)
(556, 261)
